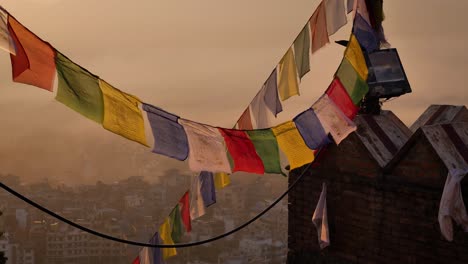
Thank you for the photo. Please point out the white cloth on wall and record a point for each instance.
(320, 219)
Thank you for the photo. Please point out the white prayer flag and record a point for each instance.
(335, 14)
(320, 219)
(6, 42)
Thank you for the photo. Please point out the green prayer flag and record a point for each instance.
(301, 51)
(177, 229)
(79, 89)
(356, 87)
(267, 148)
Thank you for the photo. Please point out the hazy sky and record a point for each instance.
(203, 60)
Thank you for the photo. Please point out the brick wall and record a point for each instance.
(373, 217)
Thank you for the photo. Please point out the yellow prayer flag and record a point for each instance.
(121, 113)
(355, 56)
(221, 180)
(165, 233)
(291, 143)
(288, 84)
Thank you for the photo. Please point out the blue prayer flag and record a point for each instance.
(365, 34)
(311, 129)
(156, 252)
(271, 98)
(207, 188)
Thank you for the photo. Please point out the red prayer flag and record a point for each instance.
(242, 151)
(185, 211)
(245, 122)
(338, 94)
(34, 62)
(137, 260)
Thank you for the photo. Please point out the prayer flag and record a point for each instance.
(245, 122)
(338, 94)
(318, 28)
(79, 89)
(242, 151)
(6, 41)
(207, 188)
(197, 206)
(267, 149)
(261, 115)
(365, 34)
(333, 119)
(34, 60)
(311, 129)
(271, 97)
(221, 180)
(302, 50)
(320, 219)
(355, 56)
(156, 252)
(335, 14)
(176, 224)
(136, 260)
(288, 85)
(349, 6)
(207, 151)
(165, 233)
(170, 138)
(145, 256)
(122, 114)
(184, 205)
(292, 144)
(356, 87)
(361, 8)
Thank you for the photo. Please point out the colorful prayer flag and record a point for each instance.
(207, 151)
(356, 87)
(355, 56)
(176, 224)
(245, 122)
(333, 119)
(365, 34)
(320, 219)
(145, 256)
(267, 149)
(311, 129)
(271, 97)
(291, 143)
(184, 204)
(79, 89)
(165, 233)
(242, 151)
(338, 94)
(122, 114)
(288, 84)
(221, 180)
(302, 50)
(207, 188)
(6, 41)
(261, 116)
(156, 255)
(34, 60)
(318, 28)
(335, 14)
(197, 206)
(170, 138)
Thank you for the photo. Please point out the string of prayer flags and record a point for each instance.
(170, 138)
(291, 143)
(184, 205)
(242, 151)
(156, 255)
(206, 145)
(176, 224)
(79, 89)
(245, 122)
(221, 180)
(320, 219)
(302, 50)
(333, 119)
(311, 129)
(365, 34)
(354, 55)
(165, 233)
(6, 41)
(335, 15)
(356, 87)
(288, 85)
(261, 115)
(34, 60)
(145, 256)
(122, 114)
(197, 205)
(338, 94)
(318, 28)
(271, 97)
(207, 188)
(266, 147)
